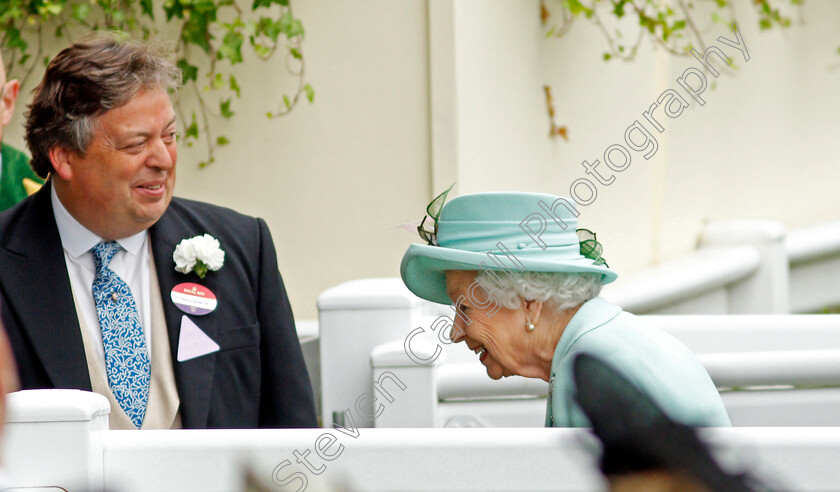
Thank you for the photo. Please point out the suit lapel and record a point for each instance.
(41, 294)
(195, 376)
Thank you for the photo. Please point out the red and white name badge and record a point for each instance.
(193, 298)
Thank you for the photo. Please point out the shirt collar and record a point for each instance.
(77, 239)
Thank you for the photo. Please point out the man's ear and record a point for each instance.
(62, 162)
(7, 103)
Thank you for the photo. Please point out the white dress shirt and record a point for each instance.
(131, 263)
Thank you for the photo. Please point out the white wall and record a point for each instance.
(761, 146)
(334, 179)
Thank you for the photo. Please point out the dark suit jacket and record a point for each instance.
(256, 379)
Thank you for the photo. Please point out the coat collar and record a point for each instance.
(591, 315)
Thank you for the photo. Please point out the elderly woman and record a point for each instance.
(527, 302)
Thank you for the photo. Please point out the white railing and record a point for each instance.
(459, 388)
(741, 267)
(697, 283)
(74, 451)
(787, 365)
(814, 256)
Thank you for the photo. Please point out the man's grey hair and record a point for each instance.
(560, 291)
(99, 72)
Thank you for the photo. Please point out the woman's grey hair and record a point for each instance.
(94, 75)
(559, 290)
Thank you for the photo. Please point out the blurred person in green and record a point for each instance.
(17, 180)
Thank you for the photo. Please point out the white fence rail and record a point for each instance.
(786, 365)
(447, 386)
(814, 258)
(78, 453)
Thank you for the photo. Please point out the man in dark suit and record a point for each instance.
(89, 292)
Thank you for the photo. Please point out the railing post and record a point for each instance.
(354, 318)
(51, 438)
(767, 290)
(407, 391)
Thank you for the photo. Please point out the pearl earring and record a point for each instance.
(529, 326)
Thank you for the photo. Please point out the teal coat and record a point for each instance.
(13, 168)
(656, 362)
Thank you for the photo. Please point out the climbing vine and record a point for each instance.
(212, 38)
(674, 25)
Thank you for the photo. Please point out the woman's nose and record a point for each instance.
(457, 333)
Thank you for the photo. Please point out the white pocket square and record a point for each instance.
(193, 342)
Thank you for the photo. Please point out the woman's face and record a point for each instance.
(496, 333)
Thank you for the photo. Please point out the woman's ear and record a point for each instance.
(533, 309)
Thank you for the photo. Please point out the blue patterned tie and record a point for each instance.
(126, 359)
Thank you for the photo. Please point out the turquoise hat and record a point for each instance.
(502, 230)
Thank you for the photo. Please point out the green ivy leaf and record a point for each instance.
(295, 29)
(49, 8)
(222, 141)
(575, 7)
(273, 28)
(286, 101)
(224, 107)
(146, 8)
(80, 12)
(192, 130)
(231, 47)
(310, 92)
(251, 29)
(234, 86)
(618, 8)
(188, 71)
(284, 23)
(262, 51)
(218, 81)
(295, 53)
(14, 40)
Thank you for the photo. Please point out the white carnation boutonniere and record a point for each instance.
(198, 254)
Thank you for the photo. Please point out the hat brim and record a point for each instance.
(423, 268)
